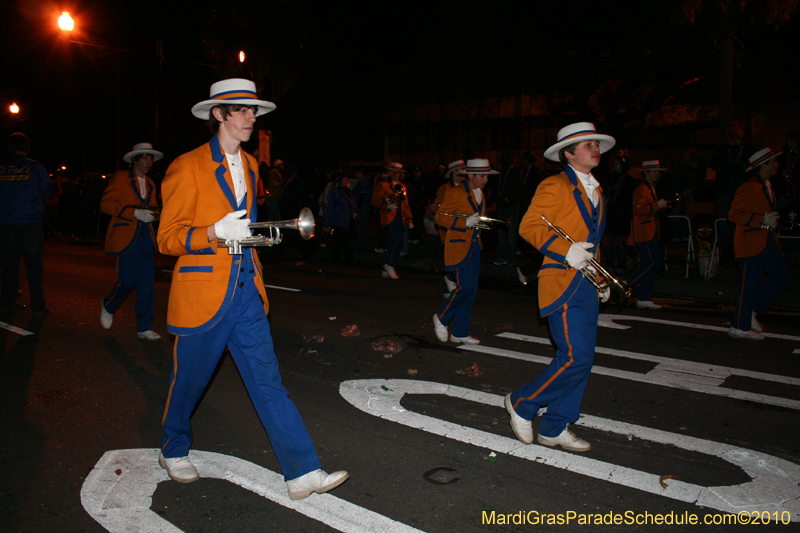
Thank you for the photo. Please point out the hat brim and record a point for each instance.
(202, 110)
(394, 169)
(467, 171)
(607, 142)
(130, 155)
(660, 169)
(455, 169)
(759, 163)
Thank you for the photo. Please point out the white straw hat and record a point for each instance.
(479, 166)
(760, 157)
(142, 148)
(232, 91)
(574, 133)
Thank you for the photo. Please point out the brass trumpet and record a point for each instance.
(483, 222)
(398, 195)
(304, 224)
(595, 273)
(674, 202)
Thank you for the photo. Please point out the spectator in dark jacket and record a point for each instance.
(340, 212)
(619, 206)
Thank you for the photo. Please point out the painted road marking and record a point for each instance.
(773, 488)
(15, 329)
(281, 288)
(121, 502)
(674, 374)
(608, 321)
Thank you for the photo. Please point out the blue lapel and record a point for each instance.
(218, 157)
(595, 226)
(579, 198)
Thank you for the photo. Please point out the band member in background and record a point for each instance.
(455, 172)
(646, 231)
(573, 201)
(462, 250)
(390, 197)
(217, 299)
(755, 245)
(132, 239)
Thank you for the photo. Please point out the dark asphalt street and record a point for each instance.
(683, 420)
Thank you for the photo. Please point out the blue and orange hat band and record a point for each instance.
(235, 95)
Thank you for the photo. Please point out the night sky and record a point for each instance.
(334, 68)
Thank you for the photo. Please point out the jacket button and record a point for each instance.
(252, 271)
(241, 270)
(241, 284)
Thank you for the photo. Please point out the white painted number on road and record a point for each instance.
(118, 493)
(774, 485)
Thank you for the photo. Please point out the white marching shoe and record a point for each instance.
(755, 325)
(647, 304)
(149, 335)
(466, 340)
(522, 428)
(317, 481)
(389, 272)
(440, 329)
(106, 318)
(567, 440)
(751, 335)
(180, 469)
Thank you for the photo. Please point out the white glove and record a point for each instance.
(410, 225)
(391, 207)
(604, 294)
(473, 220)
(661, 204)
(770, 219)
(232, 227)
(578, 255)
(145, 215)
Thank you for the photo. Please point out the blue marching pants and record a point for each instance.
(244, 328)
(561, 386)
(651, 262)
(755, 297)
(135, 269)
(458, 307)
(394, 239)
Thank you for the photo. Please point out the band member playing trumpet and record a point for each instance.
(390, 197)
(646, 230)
(462, 250)
(218, 300)
(572, 201)
(755, 245)
(131, 238)
(455, 170)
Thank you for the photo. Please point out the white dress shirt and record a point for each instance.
(237, 173)
(590, 184)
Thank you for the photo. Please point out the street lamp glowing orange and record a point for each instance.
(241, 57)
(14, 108)
(65, 22)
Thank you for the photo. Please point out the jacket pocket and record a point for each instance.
(195, 273)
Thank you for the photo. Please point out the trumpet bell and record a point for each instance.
(306, 224)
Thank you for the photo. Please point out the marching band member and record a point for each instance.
(646, 230)
(571, 200)
(131, 238)
(456, 172)
(395, 215)
(755, 245)
(462, 250)
(218, 300)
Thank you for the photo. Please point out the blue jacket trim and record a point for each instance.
(196, 269)
(203, 251)
(553, 265)
(565, 296)
(218, 157)
(545, 249)
(121, 224)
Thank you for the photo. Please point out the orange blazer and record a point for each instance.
(384, 189)
(645, 207)
(122, 191)
(563, 201)
(750, 204)
(198, 191)
(458, 243)
(438, 202)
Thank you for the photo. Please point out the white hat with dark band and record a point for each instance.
(142, 148)
(233, 91)
(455, 166)
(655, 164)
(761, 157)
(479, 166)
(575, 133)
